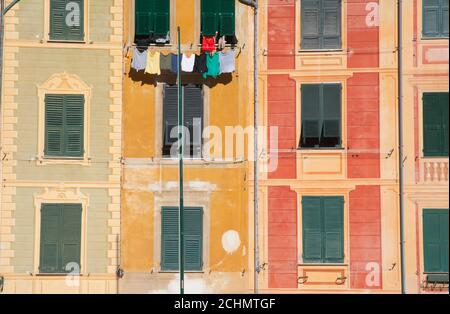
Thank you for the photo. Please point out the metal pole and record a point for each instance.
(180, 152)
(400, 142)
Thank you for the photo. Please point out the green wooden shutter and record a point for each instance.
(227, 17)
(193, 109)
(444, 17)
(210, 17)
(170, 114)
(311, 115)
(49, 246)
(435, 240)
(331, 24)
(70, 236)
(435, 18)
(169, 239)
(331, 99)
(435, 124)
(310, 23)
(62, 12)
(74, 125)
(162, 17)
(333, 233)
(145, 24)
(193, 228)
(54, 125)
(312, 229)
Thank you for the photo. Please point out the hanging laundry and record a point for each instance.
(227, 61)
(200, 64)
(209, 43)
(222, 43)
(174, 62)
(187, 63)
(213, 65)
(153, 66)
(165, 62)
(139, 61)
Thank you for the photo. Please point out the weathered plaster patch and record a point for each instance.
(231, 241)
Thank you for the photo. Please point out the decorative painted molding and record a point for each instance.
(60, 195)
(8, 135)
(63, 83)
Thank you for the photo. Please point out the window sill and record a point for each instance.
(323, 264)
(83, 161)
(57, 275)
(322, 51)
(177, 272)
(433, 38)
(66, 41)
(320, 149)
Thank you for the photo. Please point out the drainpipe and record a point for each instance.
(400, 142)
(254, 5)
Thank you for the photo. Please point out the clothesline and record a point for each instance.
(209, 63)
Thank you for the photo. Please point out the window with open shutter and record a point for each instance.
(193, 238)
(152, 19)
(193, 117)
(435, 124)
(218, 16)
(321, 116)
(60, 238)
(321, 24)
(323, 229)
(435, 240)
(64, 125)
(435, 18)
(67, 20)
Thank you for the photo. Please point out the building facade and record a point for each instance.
(61, 145)
(425, 127)
(331, 216)
(215, 186)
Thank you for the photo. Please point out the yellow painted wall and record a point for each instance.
(150, 182)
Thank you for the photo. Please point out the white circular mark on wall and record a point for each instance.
(231, 241)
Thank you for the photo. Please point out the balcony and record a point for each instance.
(434, 170)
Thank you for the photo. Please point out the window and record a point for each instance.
(193, 239)
(67, 20)
(60, 237)
(435, 240)
(64, 125)
(193, 118)
(321, 116)
(152, 21)
(218, 16)
(321, 24)
(435, 124)
(435, 18)
(323, 225)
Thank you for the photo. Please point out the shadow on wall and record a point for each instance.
(169, 77)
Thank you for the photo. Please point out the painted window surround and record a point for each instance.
(421, 271)
(47, 24)
(298, 32)
(168, 198)
(344, 267)
(421, 39)
(159, 102)
(60, 195)
(327, 77)
(420, 117)
(173, 28)
(63, 83)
